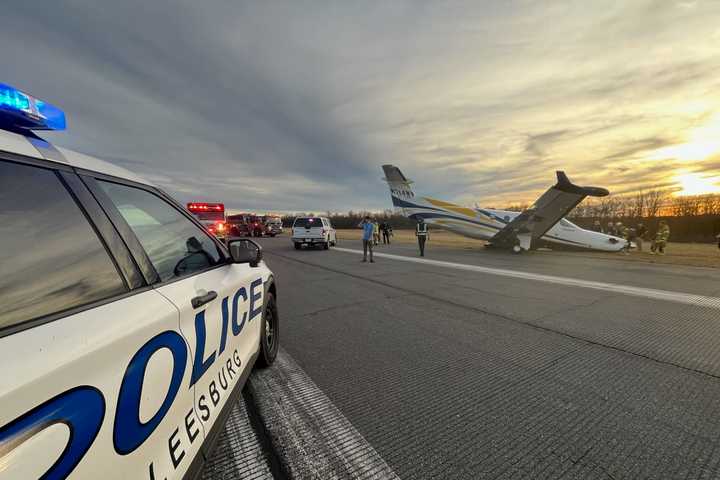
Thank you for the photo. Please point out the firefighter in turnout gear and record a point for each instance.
(661, 238)
(421, 232)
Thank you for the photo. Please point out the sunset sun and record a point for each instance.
(697, 184)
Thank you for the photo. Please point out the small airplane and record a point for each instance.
(542, 223)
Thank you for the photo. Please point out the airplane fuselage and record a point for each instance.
(484, 223)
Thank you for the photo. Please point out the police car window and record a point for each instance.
(175, 246)
(51, 258)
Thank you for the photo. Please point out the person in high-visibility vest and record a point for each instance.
(661, 238)
(421, 232)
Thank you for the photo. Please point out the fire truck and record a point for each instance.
(273, 225)
(253, 225)
(212, 215)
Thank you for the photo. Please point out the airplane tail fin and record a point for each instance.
(400, 187)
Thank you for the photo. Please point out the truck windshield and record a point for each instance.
(210, 216)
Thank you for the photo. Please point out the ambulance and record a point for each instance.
(127, 330)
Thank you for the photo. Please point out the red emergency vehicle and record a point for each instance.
(212, 215)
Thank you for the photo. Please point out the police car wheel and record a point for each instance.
(269, 334)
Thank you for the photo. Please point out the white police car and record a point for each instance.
(126, 330)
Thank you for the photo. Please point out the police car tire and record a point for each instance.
(269, 352)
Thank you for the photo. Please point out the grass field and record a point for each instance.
(691, 254)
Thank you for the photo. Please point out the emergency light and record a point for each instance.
(19, 110)
(206, 207)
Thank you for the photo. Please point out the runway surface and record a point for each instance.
(451, 372)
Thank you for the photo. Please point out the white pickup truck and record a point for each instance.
(313, 231)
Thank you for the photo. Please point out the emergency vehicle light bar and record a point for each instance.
(20, 110)
(206, 207)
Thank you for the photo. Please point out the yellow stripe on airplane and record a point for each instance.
(452, 207)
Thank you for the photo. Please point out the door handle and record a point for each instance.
(201, 300)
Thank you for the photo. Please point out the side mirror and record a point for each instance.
(243, 250)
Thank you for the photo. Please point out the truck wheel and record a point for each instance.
(297, 246)
(269, 333)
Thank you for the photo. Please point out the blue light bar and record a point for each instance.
(19, 110)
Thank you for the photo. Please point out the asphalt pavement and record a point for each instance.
(453, 373)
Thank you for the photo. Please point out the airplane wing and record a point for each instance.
(548, 210)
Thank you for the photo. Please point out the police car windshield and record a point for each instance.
(308, 222)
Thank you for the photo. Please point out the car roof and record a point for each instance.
(37, 148)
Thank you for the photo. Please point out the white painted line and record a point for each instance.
(313, 439)
(667, 295)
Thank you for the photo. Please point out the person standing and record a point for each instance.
(661, 238)
(621, 231)
(376, 232)
(368, 228)
(640, 232)
(385, 230)
(630, 237)
(610, 228)
(421, 232)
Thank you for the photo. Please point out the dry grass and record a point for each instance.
(690, 254)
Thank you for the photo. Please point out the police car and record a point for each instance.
(126, 330)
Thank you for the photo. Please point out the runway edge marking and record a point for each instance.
(312, 438)
(667, 295)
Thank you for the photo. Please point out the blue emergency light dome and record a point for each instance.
(20, 111)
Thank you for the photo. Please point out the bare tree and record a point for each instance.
(710, 204)
(636, 205)
(686, 205)
(654, 200)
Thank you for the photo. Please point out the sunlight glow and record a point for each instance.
(696, 184)
(704, 141)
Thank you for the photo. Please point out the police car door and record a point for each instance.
(76, 322)
(220, 305)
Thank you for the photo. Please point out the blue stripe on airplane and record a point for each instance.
(404, 203)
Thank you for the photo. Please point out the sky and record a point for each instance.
(294, 106)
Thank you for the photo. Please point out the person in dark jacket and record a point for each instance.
(386, 230)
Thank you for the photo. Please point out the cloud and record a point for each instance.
(295, 105)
